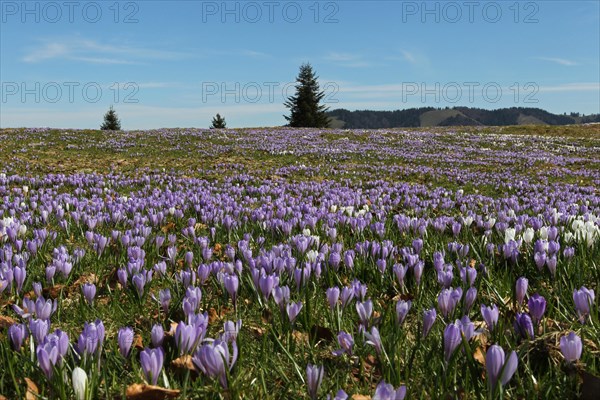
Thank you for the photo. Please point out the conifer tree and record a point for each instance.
(304, 105)
(218, 122)
(111, 121)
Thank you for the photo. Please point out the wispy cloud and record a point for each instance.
(561, 61)
(572, 87)
(93, 52)
(349, 60)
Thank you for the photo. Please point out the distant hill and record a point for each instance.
(430, 116)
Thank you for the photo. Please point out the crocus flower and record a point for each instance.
(452, 338)
(364, 310)
(429, 317)
(521, 289)
(187, 337)
(346, 296)
(537, 307)
(214, 359)
(402, 308)
(47, 356)
(385, 391)
(125, 340)
(498, 367)
(332, 294)
(231, 283)
(231, 330)
(340, 395)
(151, 361)
(314, 377)
(470, 297)
(490, 315)
(157, 335)
(346, 342)
(164, 297)
(374, 339)
(39, 328)
(583, 299)
(89, 292)
(293, 309)
(91, 338)
(281, 295)
(524, 326)
(17, 334)
(571, 347)
(80, 381)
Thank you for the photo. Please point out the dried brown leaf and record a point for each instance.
(6, 321)
(184, 362)
(32, 390)
(141, 391)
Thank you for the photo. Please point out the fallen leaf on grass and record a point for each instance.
(361, 397)
(32, 390)
(137, 342)
(5, 321)
(141, 391)
(184, 362)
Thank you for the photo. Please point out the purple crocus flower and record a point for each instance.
(374, 339)
(231, 283)
(125, 340)
(314, 377)
(151, 361)
(187, 337)
(157, 335)
(571, 347)
(214, 359)
(346, 342)
(470, 297)
(293, 309)
(266, 283)
(332, 294)
(164, 297)
(231, 330)
(498, 367)
(42, 308)
(400, 272)
(91, 338)
(281, 295)
(39, 328)
(346, 296)
(429, 317)
(19, 275)
(364, 310)
(385, 391)
(583, 299)
(521, 289)
(340, 395)
(47, 356)
(452, 338)
(17, 334)
(490, 315)
(89, 292)
(402, 308)
(524, 326)
(139, 281)
(537, 307)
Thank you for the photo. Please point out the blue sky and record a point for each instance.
(178, 63)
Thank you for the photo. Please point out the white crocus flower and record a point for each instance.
(80, 381)
(528, 235)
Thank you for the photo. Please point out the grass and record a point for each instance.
(195, 179)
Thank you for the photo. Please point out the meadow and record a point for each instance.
(284, 263)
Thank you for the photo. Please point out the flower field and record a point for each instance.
(300, 263)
